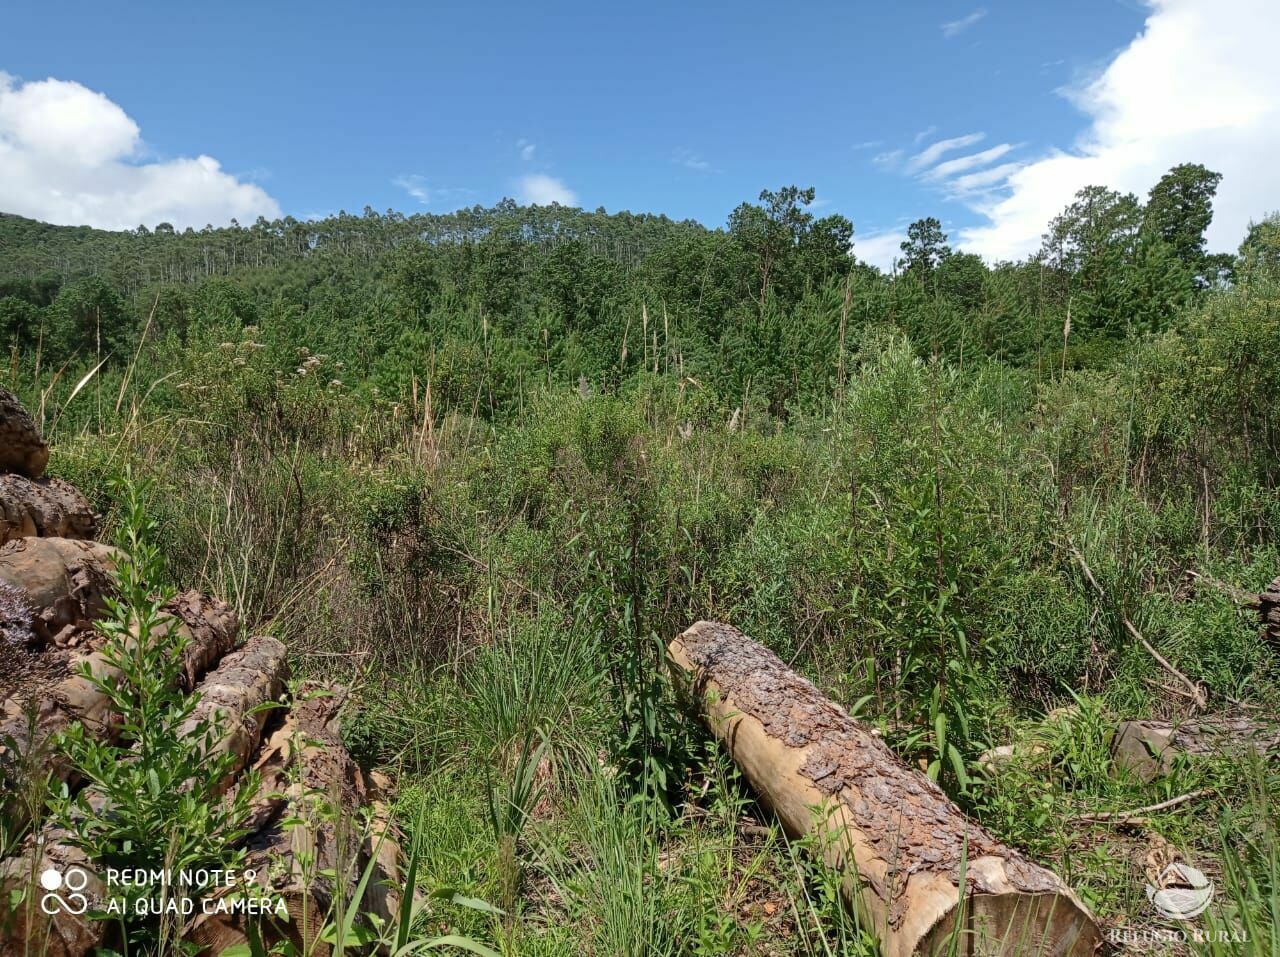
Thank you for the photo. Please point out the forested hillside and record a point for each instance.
(482, 467)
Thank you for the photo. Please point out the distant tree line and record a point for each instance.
(491, 301)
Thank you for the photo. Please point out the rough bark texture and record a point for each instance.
(26, 929)
(31, 719)
(1148, 749)
(232, 697)
(1268, 605)
(385, 890)
(22, 449)
(322, 770)
(211, 628)
(48, 508)
(903, 845)
(17, 619)
(65, 584)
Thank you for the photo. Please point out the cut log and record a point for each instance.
(210, 629)
(22, 449)
(322, 773)
(47, 508)
(1268, 605)
(232, 696)
(1148, 749)
(64, 583)
(385, 890)
(25, 928)
(914, 868)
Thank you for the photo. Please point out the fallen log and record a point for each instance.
(234, 700)
(385, 890)
(47, 508)
(1268, 605)
(25, 927)
(22, 449)
(209, 628)
(307, 853)
(63, 584)
(914, 867)
(1148, 749)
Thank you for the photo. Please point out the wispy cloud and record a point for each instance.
(868, 145)
(539, 189)
(691, 160)
(953, 28)
(527, 148)
(924, 134)
(888, 159)
(982, 181)
(962, 164)
(418, 188)
(935, 151)
(415, 186)
(969, 177)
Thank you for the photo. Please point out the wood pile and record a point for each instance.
(55, 582)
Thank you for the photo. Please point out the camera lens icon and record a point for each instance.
(75, 880)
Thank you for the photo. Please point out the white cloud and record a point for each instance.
(71, 156)
(867, 144)
(924, 134)
(880, 249)
(953, 28)
(415, 186)
(691, 160)
(962, 164)
(935, 151)
(1200, 84)
(983, 180)
(888, 159)
(527, 149)
(538, 189)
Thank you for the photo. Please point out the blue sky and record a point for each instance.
(682, 108)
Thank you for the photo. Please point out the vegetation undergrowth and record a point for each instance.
(484, 480)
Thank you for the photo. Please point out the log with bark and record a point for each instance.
(235, 699)
(1148, 749)
(22, 449)
(233, 705)
(62, 585)
(307, 865)
(1268, 605)
(25, 928)
(47, 508)
(386, 889)
(209, 628)
(914, 867)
